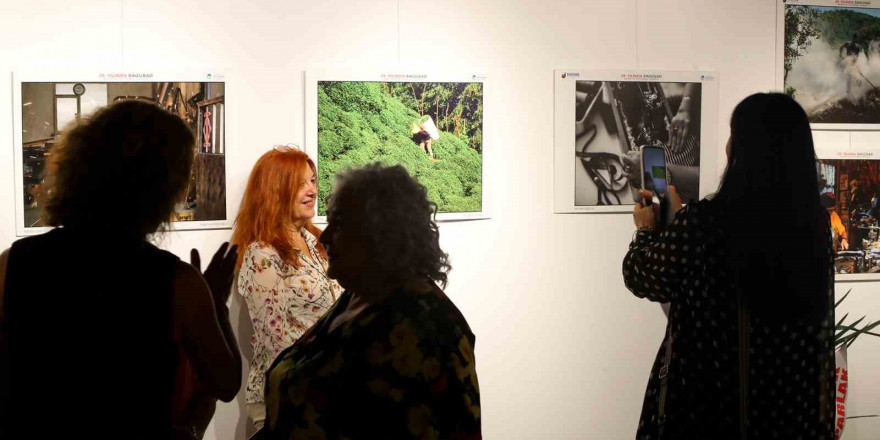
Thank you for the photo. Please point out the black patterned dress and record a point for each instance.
(791, 361)
(401, 369)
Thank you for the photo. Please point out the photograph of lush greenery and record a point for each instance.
(361, 122)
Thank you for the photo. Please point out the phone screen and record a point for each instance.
(654, 161)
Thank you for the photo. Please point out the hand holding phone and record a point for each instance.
(645, 212)
(655, 179)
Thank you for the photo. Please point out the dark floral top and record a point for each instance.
(401, 369)
(791, 361)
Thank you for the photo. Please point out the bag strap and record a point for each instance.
(664, 370)
(743, 324)
(743, 312)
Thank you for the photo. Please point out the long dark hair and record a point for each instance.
(778, 232)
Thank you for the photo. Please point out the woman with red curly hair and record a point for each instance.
(283, 269)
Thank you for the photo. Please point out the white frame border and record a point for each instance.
(66, 76)
(780, 53)
(312, 77)
(855, 155)
(563, 144)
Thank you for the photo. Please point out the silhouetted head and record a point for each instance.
(381, 230)
(771, 152)
(120, 171)
(777, 229)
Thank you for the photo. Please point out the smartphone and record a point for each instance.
(655, 179)
(653, 169)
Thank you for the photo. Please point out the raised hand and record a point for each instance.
(220, 272)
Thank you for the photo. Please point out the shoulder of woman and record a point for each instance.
(258, 247)
(259, 250)
(189, 285)
(187, 277)
(438, 318)
(699, 209)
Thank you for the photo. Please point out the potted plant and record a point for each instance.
(844, 336)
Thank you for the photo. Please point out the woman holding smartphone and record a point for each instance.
(748, 273)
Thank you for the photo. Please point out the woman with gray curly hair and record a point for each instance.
(394, 357)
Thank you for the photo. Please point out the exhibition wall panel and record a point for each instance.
(563, 349)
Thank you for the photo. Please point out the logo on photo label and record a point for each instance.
(852, 2)
(403, 76)
(570, 75)
(125, 75)
(855, 154)
(647, 76)
(706, 77)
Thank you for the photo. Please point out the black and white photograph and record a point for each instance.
(830, 61)
(613, 120)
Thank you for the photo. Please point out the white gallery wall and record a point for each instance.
(563, 349)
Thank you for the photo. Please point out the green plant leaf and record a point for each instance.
(841, 338)
(846, 327)
(841, 299)
(860, 331)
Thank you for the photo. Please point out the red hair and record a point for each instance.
(268, 204)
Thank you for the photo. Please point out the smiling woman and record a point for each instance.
(282, 273)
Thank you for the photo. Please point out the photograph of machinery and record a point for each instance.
(47, 108)
(614, 119)
(850, 191)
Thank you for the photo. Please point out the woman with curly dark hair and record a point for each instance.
(393, 358)
(94, 314)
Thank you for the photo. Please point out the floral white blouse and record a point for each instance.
(283, 302)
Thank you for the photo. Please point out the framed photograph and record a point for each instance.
(431, 124)
(828, 59)
(849, 186)
(602, 120)
(46, 103)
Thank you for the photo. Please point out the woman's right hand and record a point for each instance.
(220, 272)
(643, 216)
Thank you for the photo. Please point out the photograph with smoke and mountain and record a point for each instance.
(433, 129)
(831, 62)
(614, 119)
